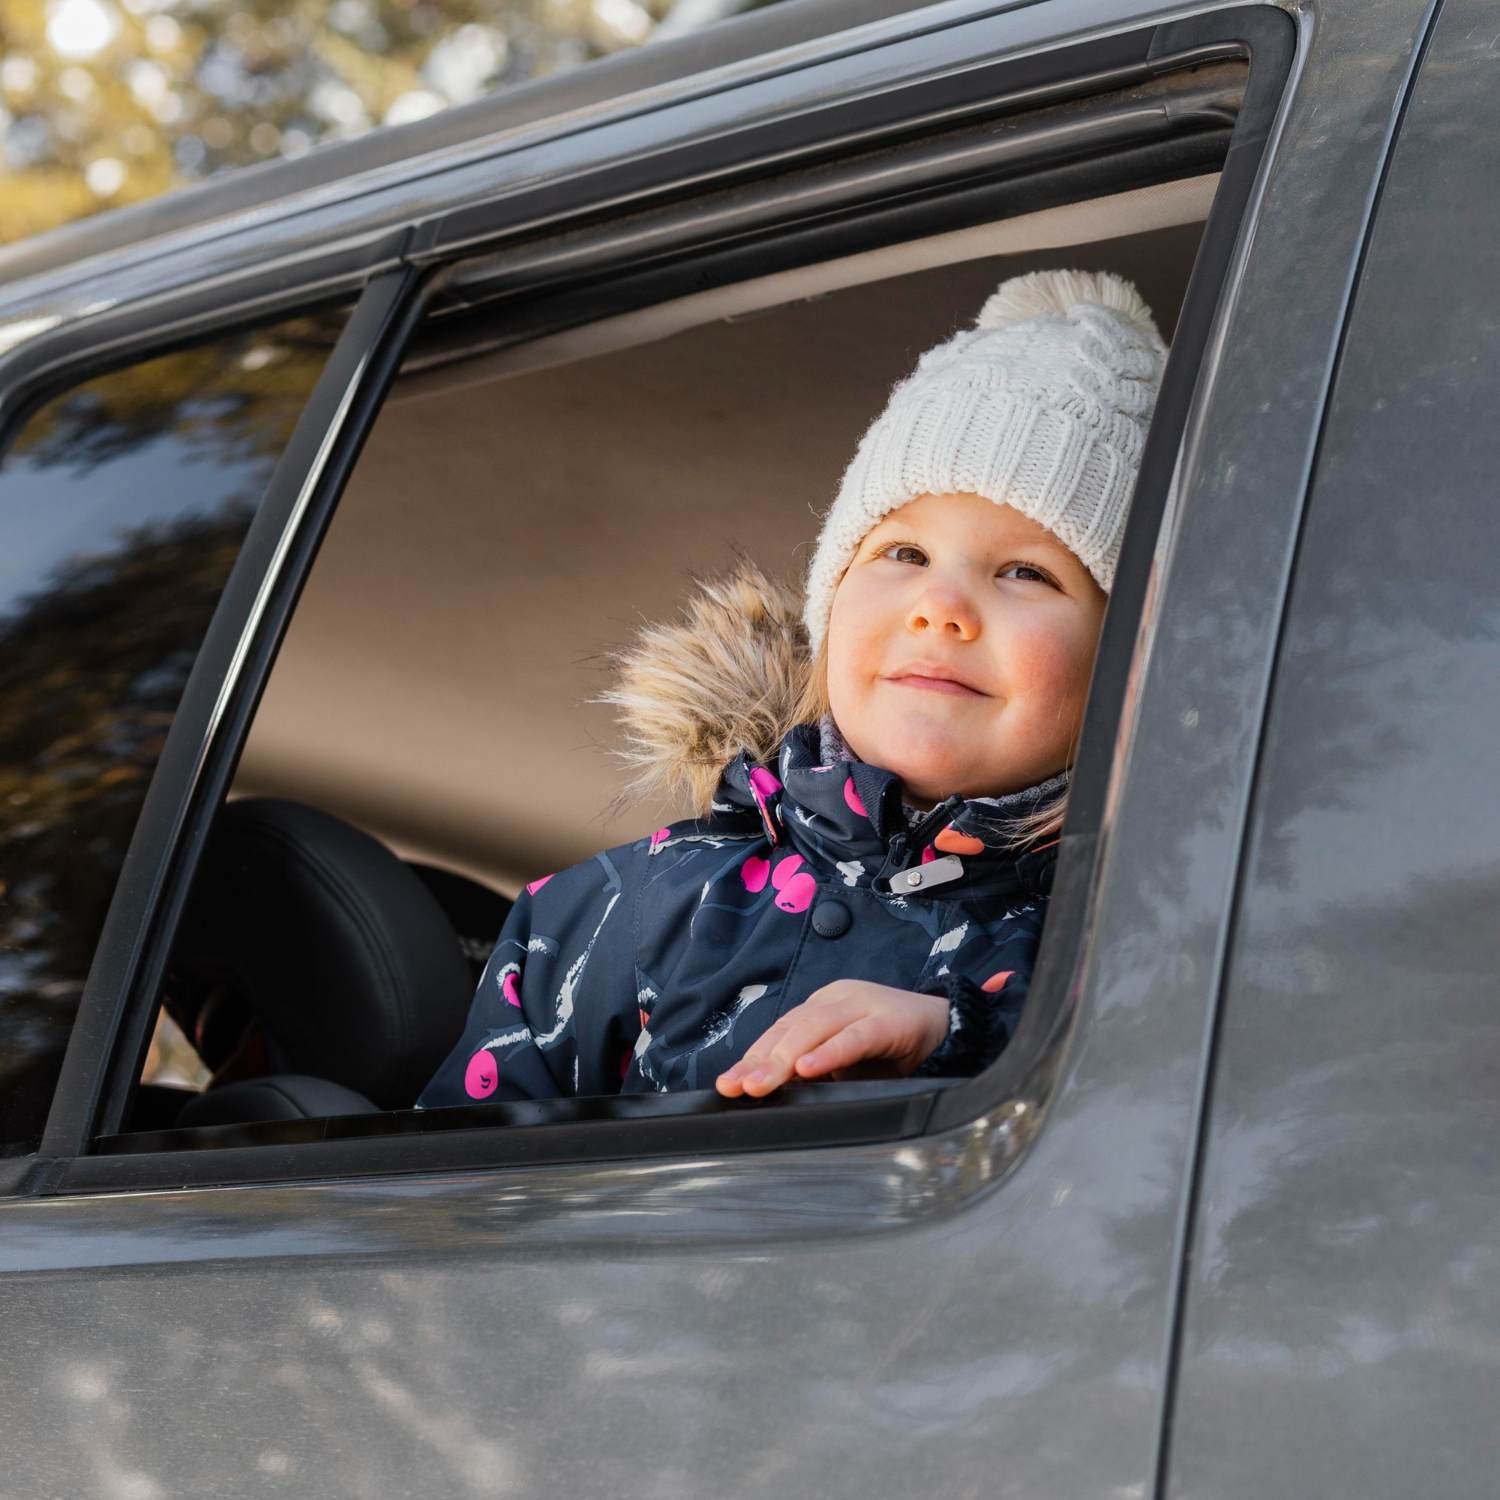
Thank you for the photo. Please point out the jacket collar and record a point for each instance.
(850, 815)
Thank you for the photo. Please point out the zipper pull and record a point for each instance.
(943, 812)
(894, 859)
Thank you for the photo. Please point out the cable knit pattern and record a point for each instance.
(1043, 405)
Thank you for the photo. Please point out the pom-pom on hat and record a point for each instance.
(1042, 405)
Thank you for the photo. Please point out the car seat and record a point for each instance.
(314, 971)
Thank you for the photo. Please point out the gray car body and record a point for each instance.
(1249, 1249)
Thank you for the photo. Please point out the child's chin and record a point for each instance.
(928, 757)
(928, 778)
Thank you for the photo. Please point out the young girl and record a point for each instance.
(862, 894)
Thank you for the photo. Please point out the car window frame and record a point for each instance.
(49, 401)
(95, 1084)
(188, 782)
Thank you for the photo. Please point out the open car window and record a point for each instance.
(510, 524)
(545, 473)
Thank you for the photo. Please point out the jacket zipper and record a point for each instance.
(903, 843)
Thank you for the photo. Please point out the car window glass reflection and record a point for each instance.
(123, 503)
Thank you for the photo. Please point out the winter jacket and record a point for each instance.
(654, 965)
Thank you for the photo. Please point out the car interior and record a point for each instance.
(428, 740)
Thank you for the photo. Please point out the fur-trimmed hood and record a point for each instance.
(729, 681)
(729, 675)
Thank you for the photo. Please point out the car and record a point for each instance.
(327, 490)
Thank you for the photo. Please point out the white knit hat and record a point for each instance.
(1042, 405)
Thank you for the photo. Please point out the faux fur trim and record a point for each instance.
(692, 693)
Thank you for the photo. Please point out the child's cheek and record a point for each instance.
(854, 659)
(852, 628)
(1048, 663)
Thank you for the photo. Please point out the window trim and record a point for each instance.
(137, 331)
(951, 180)
(1025, 1070)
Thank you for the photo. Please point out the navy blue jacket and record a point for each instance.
(654, 965)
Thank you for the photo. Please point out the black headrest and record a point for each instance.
(476, 912)
(319, 932)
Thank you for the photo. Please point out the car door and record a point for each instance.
(1342, 1325)
(973, 1293)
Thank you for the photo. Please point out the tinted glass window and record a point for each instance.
(123, 504)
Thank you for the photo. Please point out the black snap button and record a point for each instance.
(831, 919)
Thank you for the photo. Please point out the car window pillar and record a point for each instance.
(222, 690)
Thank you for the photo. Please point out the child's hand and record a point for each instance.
(844, 1024)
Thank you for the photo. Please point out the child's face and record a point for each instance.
(960, 583)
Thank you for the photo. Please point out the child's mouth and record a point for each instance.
(938, 685)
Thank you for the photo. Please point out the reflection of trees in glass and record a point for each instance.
(91, 670)
(225, 402)
(104, 102)
(95, 653)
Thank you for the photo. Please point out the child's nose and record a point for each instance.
(947, 611)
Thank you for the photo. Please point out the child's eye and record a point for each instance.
(1026, 572)
(918, 556)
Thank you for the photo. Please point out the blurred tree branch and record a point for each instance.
(106, 102)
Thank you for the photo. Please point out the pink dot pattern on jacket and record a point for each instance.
(482, 1076)
(855, 801)
(795, 887)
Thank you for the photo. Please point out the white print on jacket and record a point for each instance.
(949, 940)
(723, 1024)
(570, 983)
(664, 838)
(719, 1027)
(504, 1039)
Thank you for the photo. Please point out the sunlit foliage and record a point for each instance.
(105, 102)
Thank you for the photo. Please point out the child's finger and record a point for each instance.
(786, 1039)
(758, 1078)
(856, 1042)
(772, 1060)
(731, 1082)
(760, 1048)
(810, 1029)
(822, 1002)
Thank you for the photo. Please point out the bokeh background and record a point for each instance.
(106, 102)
